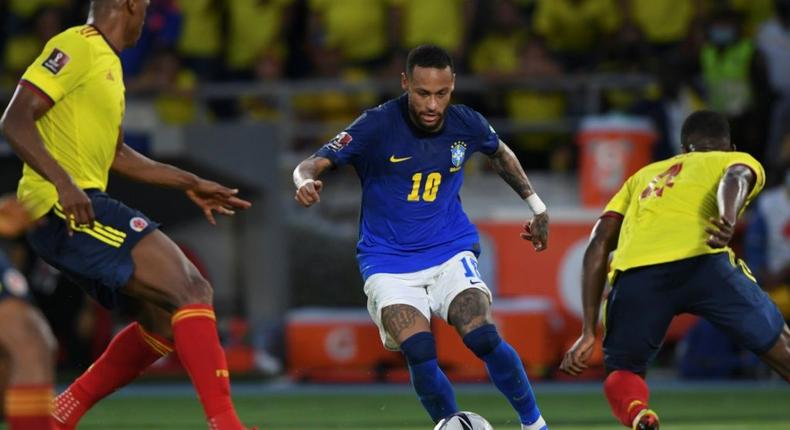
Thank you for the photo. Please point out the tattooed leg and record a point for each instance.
(403, 321)
(469, 310)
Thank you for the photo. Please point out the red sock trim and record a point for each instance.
(627, 394)
(194, 311)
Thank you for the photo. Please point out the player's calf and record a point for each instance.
(431, 384)
(507, 372)
(627, 394)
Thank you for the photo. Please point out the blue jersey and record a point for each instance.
(411, 217)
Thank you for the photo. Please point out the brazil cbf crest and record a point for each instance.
(458, 153)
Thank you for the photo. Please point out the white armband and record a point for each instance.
(536, 204)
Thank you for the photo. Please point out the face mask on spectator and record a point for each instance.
(722, 35)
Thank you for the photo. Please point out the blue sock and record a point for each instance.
(505, 369)
(432, 386)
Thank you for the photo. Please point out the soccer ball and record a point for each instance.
(463, 421)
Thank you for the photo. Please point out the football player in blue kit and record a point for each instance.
(417, 248)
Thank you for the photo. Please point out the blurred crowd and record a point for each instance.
(728, 55)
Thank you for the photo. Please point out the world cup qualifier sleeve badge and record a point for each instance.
(457, 155)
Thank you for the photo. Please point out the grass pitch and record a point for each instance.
(566, 407)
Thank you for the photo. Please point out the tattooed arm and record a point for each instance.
(509, 168)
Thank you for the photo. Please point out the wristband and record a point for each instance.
(536, 204)
(303, 183)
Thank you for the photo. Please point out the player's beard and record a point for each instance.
(416, 117)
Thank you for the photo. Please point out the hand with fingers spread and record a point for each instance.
(720, 232)
(211, 196)
(537, 231)
(77, 206)
(309, 192)
(575, 360)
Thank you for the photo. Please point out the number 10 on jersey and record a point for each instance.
(430, 190)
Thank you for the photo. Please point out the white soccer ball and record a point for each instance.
(463, 421)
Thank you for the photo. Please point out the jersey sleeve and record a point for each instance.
(620, 202)
(744, 159)
(348, 146)
(61, 67)
(489, 138)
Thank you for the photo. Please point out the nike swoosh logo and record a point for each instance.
(475, 283)
(394, 159)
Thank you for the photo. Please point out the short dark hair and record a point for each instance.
(705, 129)
(428, 56)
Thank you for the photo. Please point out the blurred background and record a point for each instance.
(584, 91)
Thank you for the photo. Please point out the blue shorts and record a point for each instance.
(644, 300)
(97, 259)
(12, 283)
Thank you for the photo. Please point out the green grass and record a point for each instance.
(701, 408)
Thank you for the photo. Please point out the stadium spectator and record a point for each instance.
(255, 27)
(171, 85)
(507, 53)
(665, 23)
(444, 23)
(200, 41)
(161, 32)
(773, 39)
(576, 29)
(22, 48)
(356, 29)
(268, 67)
(734, 77)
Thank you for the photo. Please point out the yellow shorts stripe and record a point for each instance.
(95, 232)
(110, 230)
(193, 313)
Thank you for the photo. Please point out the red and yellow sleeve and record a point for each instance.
(60, 68)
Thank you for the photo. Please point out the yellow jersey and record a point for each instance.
(667, 206)
(80, 74)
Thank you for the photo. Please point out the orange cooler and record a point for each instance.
(613, 147)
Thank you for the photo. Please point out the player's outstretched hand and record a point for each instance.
(537, 231)
(575, 360)
(211, 196)
(309, 193)
(720, 232)
(77, 207)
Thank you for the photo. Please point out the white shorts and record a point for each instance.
(431, 291)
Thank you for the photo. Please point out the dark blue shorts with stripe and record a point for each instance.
(716, 287)
(99, 259)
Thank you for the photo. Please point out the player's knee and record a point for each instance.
(195, 290)
(469, 310)
(482, 340)
(419, 348)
